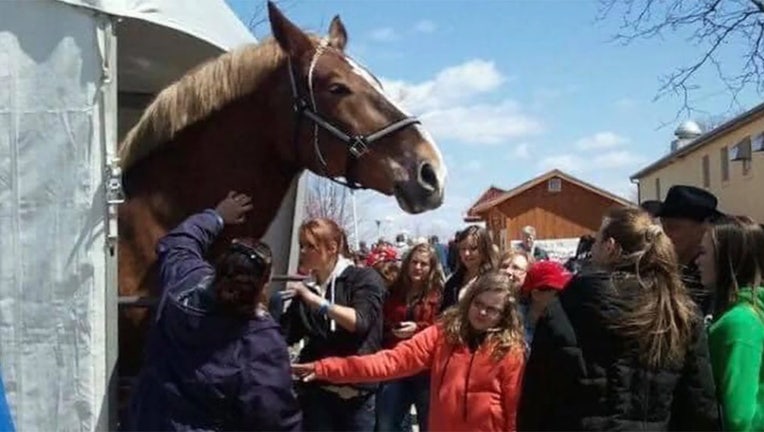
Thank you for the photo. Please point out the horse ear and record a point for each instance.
(338, 36)
(289, 37)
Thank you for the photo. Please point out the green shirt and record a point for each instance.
(736, 343)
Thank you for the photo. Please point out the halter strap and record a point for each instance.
(357, 145)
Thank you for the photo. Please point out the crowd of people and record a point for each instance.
(656, 323)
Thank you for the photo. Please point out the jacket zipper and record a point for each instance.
(467, 386)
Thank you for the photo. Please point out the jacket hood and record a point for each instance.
(193, 319)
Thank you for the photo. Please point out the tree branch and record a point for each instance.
(712, 24)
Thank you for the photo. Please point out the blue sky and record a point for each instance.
(512, 89)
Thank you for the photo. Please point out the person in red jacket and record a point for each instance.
(475, 356)
(411, 306)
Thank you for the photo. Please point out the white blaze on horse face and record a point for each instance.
(374, 83)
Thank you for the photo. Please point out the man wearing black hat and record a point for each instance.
(652, 207)
(684, 214)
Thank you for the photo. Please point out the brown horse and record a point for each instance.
(251, 121)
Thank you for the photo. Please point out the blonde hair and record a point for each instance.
(660, 317)
(508, 334)
(203, 91)
(512, 253)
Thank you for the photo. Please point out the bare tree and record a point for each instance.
(326, 199)
(715, 25)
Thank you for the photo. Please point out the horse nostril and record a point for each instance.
(427, 177)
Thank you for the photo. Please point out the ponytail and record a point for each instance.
(661, 316)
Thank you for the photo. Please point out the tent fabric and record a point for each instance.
(52, 260)
(58, 115)
(210, 20)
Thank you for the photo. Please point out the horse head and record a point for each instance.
(347, 127)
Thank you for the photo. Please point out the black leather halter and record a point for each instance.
(357, 145)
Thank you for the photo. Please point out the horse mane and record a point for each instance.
(197, 95)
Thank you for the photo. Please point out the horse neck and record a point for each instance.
(235, 149)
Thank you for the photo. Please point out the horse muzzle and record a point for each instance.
(422, 192)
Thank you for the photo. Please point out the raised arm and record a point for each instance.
(407, 358)
(181, 252)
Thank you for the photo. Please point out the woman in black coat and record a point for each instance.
(622, 348)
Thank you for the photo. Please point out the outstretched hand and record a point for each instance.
(306, 372)
(234, 207)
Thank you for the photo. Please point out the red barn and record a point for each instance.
(558, 205)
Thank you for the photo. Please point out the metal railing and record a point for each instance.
(150, 302)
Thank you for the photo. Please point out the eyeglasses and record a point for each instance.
(490, 311)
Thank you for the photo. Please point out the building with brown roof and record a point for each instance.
(557, 204)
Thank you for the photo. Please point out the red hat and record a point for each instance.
(381, 255)
(546, 274)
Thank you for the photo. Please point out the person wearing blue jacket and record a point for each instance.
(215, 359)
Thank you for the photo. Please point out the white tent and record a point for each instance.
(74, 76)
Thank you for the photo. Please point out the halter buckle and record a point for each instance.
(358, 147)
(299, 105)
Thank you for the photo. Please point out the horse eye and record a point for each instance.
(339, 89)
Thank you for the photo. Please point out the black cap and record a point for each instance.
(689, 202)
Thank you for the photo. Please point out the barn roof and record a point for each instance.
(480, 207)
(491, 193)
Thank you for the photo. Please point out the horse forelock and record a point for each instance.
(197, 95)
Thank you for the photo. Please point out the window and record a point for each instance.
(725, 161)
(658, 188)
(554, 185)
(746, 167)
(706, 172)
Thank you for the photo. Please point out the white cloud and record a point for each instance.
(384, 34)
(425, 26)
(450, 105)
(481, 124)
(613, 160)
(451, 85)
(601, 141)
(521, 151)
(441, 222)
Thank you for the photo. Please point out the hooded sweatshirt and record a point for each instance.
(469, 389)
(736, 341)
(206, 369)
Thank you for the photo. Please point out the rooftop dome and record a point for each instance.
(688, 130)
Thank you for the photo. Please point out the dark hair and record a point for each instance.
(244, 257)
(485, 246)
(389, 270)
(738, 257)
(660, 317)
(584, 248)
(652, 207)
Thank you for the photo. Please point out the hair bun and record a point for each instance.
(653, 231)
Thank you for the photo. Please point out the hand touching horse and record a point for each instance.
(251, 120)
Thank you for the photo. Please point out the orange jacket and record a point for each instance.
(469, 391)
